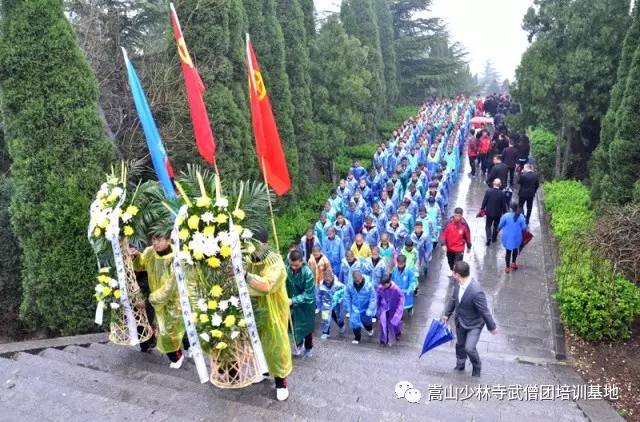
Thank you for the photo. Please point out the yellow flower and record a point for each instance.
(239, 214)
(105, 270)
(216, 291)
(97, 232)
(185, 248)
(180, 220)
(242, 323)
(193, 222)
(238, 228)
(106, 290)
(113, 181)
(221, 346)
(104, 223)
(116, 294)
(212, 304)
(198, 256)
(104, 279)
(216, 333)
(209, 231)
(128, 230)
(112, 197)
(225, 251)
(194, 318)
(203, 202)
(132, 209)
(214, 262)
(222, 218)
(204, 318)
(229, 321)
(184, 234)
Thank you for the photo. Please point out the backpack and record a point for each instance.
(473, 144)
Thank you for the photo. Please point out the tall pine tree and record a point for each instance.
(60, 154)
(309, 11)
(292, 21)
(360, 22)
(387, 46)
(268, 43)
(208, 39)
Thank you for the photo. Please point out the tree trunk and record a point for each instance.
(332, 172)
(558, 167)
(567, 155)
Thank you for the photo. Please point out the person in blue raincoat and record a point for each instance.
(354, 216)
(329, 298)
(361, 304)
(357, 170)
(329, 212)
(406, 218)
(397, 232)
(386, 204)
(512, 224)
(370, 231)
(337, 202)
(333, 249)
(361, 204)
(347, 266)
(345, 231)
(423, 243)
(375, 267)
(321, 227)
(307, 242)
(366, 193)
(405, 279)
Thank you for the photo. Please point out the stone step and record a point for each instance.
(190, 402)
(11, 415)
(37, 399)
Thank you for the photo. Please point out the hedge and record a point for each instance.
(10, 284)
(543, 147)
(595, 302)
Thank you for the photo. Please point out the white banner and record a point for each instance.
(245, 299)
(192, 333)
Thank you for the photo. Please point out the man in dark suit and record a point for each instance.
(494, 205)
(499, 171)
(472, 313)
(529, 185)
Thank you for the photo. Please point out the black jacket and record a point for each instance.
(529, 184)
(494, 203)
(510, 157)
(499, 171)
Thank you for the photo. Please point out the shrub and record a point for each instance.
(595, 301)
(401, 114)
(543, 147)
(10, 287)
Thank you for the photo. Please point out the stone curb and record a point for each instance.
(6, 350)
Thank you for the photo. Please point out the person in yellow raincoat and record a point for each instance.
(266, 277)
(157, 261)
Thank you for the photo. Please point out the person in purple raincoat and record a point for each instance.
(390, 308)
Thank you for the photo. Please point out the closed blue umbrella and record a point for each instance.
(438, 334)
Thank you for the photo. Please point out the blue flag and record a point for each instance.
(158, 154)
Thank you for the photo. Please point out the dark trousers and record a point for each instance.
(358, 331)
(151, 316)
(453, 257)
(529, 202)
(472, 162)
(492, 235)
(484, 163)
(510, 176)
(308, 341)
(334, 316)
(281, 382)
(466, 346)
(175, 356)
(511, 255)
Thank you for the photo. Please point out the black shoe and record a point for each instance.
(475, 372)
(459, 368)
(494, 240)
(488, 243)
(415, 292)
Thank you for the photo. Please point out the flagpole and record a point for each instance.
(273, 220)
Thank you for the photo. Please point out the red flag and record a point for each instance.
(195, 89)
(268, 145)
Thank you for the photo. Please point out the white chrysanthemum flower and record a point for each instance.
(113, 283)
(186, 257)
(117, 191)
(247, 234)
(202, 305)
(216, 320)
(205, 337)
(223, 305)
(198, 237)
(235, 335)
(234, 301)
(224, 237)
(222, 203)
(99, 288)
(114, 305)
(126, 217)
(207, 217)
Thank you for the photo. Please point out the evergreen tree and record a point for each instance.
(268, 44)
(309, 11)
(208, 39)
(292, 21)
(360, 21)
(59, 153)
(387, 45)
(599, 164)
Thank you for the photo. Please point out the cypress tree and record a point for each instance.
(59, 154)
(599, 164)
(208, 39)
(387, 46)
(268, 44)
(360, 21)
(291, 19)
(309, 11)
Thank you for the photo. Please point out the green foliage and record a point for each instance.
(595, 302)
(388, 49)
(543, 146)
(10, 286)
(387, 126)
(56, 142)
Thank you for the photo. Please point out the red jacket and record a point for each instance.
(472, 147)
(485, 145)
(480, 104)
(455, 236)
